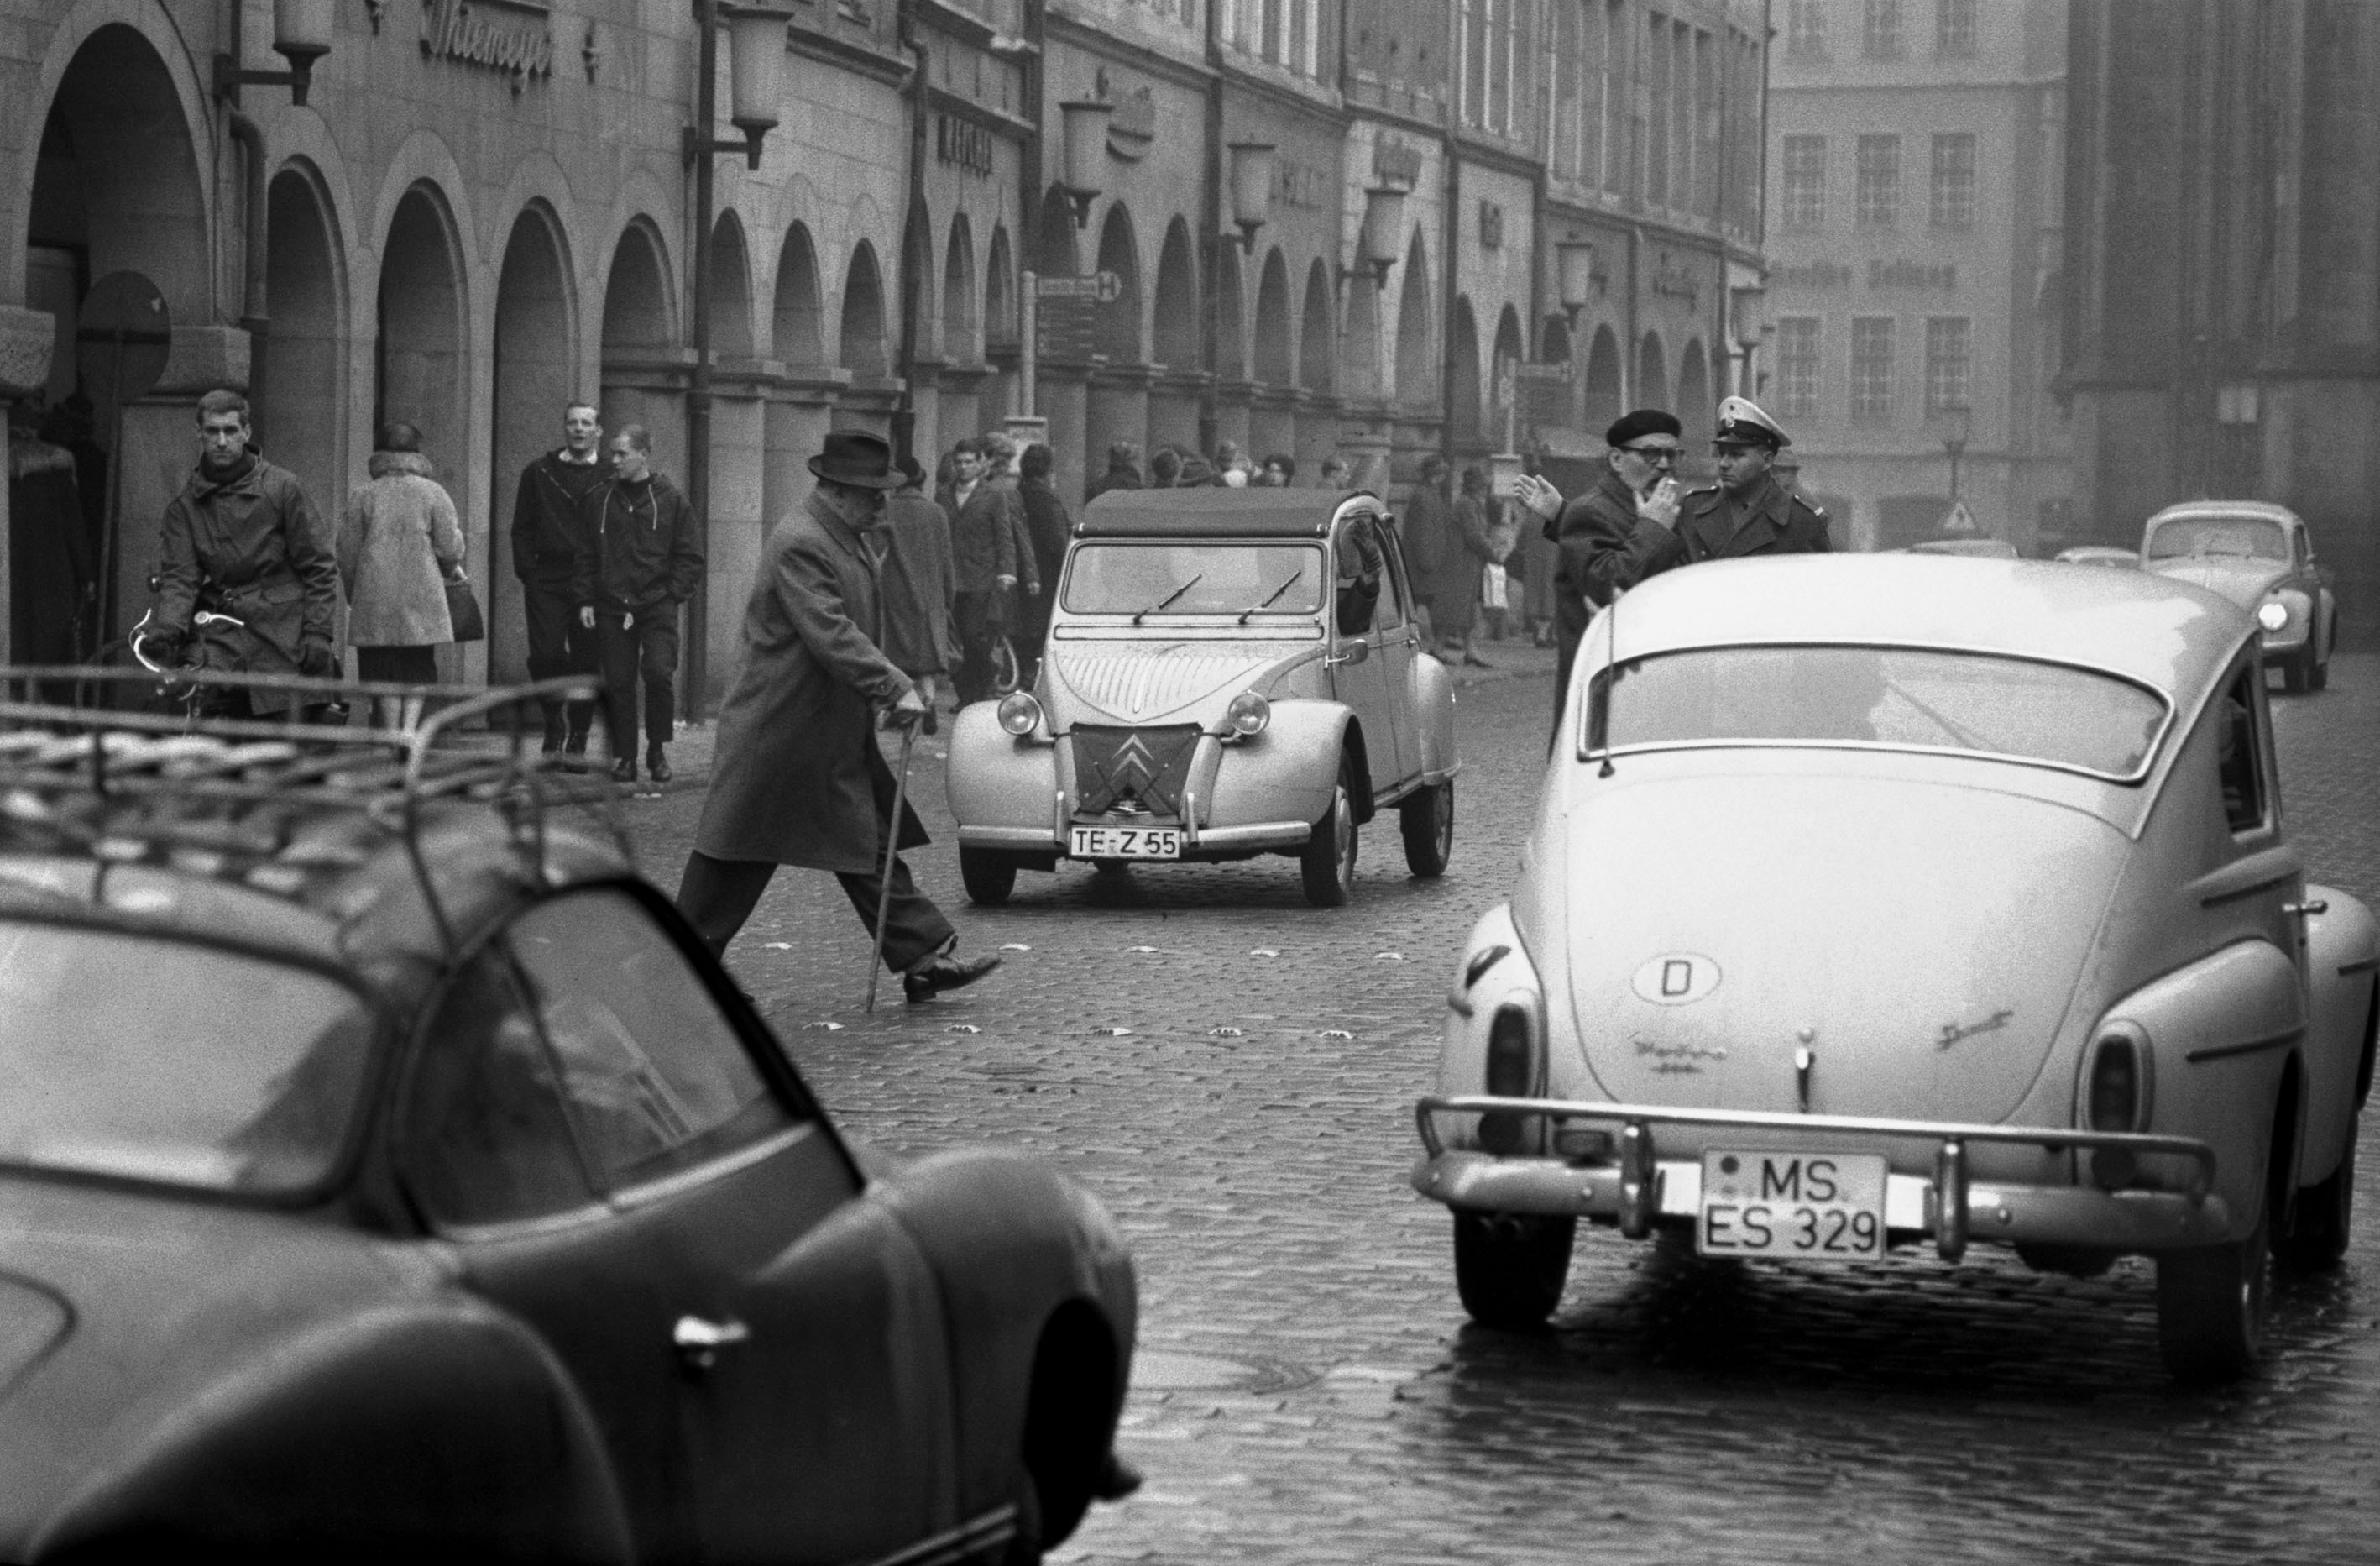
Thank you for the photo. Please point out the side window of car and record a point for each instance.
(2302, 548)
(2240, 757)
(654, 1075)
(484, 1137)
(1396, 589)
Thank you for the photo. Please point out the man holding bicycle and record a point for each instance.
(244, 546)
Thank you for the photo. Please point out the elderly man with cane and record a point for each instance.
(798, 779)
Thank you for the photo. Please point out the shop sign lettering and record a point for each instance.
(1676, 280)
(1816, 275)
(1301, 185)
(1911, 274)
(962, 145)
(455, 29)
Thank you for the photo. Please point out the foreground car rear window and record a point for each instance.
(1226, 577)
(1887, 698)
(2258, 537)
(166, 1060)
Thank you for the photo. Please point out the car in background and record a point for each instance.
(386, 1172)
(1986, 548)
(2260, 557)
(2105, 555)
(1874, 901)
(1228, 674)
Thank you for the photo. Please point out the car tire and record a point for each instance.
(2295, 672)
(2211, 1302)
(988, 878)
(2317, 1238)
(1326, 864)
(1509, 1268)
(1428, 819)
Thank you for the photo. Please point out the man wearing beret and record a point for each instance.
(798, 779)
(1748, 512)
(1615, 535)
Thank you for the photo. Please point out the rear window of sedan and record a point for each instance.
(1878, 698)
(1204, 578)
(172, 1061)
(2258, 537)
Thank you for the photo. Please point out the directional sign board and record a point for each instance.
(1069, 312)
(1544, 391)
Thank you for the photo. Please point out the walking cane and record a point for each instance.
(891, 848)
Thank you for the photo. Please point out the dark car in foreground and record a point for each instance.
(386, 1172)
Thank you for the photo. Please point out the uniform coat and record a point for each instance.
(798, 779)
(1714, 526)
(250, 544)
(399, 542)
(919, 592)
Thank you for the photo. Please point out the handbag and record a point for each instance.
(463, 609)
(1493, 590)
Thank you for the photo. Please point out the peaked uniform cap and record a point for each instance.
(1741, 420)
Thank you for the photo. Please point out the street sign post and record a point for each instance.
(1069, 312)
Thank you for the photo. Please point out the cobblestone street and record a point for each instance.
(1232, 1074)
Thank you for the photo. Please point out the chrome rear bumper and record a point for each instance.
(1640, 1188)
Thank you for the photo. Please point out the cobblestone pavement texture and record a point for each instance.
(1233, 1072)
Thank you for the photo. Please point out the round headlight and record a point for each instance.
(1019, 714)
(2273, 614)
(1248, 713)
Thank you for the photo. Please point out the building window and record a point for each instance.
(1882, 36)
(1954, 30)
(1949, 361)
(1954, 180)
(1470, 56)
(1872, 370)
(1797, 367)
(1806, 34)
(1806, 182)
(1617, 105)
(1657, 114)
(1879, 182)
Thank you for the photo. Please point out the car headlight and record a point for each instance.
(2273, 614)
(1019, 714)
(1248, 713)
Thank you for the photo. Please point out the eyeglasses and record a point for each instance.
(1653, 453)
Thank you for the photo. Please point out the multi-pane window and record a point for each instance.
(1883, 35)
(1657, 114)
(1805, 30)
(1950, 362)
(1797, 366)
(1872, 368)
(1805, 203)
(1470, 58)
(1954, 29)
(1878, 203)
(1954, 180)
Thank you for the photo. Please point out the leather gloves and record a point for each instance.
(317, 659)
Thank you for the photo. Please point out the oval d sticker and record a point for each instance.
(1676, 978)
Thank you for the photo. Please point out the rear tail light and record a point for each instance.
(1512, 1073)
(2116, 1099)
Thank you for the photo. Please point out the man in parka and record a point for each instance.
(549, 536)
(242, 540)
(798, 779)
(644, 560)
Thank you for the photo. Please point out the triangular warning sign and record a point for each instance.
(1959, 522)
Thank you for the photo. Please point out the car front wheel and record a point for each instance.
(1509, 1268)
(988, 878)
(1328, 864)
(2211, 1303)
(1428, 819)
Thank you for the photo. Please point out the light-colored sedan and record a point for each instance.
(1876, 900)
(2260, 557)
(1229, 673)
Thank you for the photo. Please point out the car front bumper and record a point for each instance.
(2290, 637)
(1640, 1188)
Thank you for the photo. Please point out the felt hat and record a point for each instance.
(857, 458)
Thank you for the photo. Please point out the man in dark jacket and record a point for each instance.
(1047, 527)
(1123, 471)
(919, 591)
(1748, 512)
(549, 537)
(1429, 535)
(799, 779)
(645, 562)
(983, 545)
(243, 540)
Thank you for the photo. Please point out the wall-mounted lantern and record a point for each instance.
(1743, 324)
(1377, 246)
(1253, 168)
(1574, 265)
(1085, 123)
(301, 35)
(756, 70)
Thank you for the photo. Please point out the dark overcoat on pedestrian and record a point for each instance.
(1771, 520)
(918, 589)
(250, 545)
(797, 778)
(1606, 548)
(1428, 536)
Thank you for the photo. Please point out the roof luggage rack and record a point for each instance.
(226, 794)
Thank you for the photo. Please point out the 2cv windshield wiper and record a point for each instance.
(1273, 596)
(1167, 602)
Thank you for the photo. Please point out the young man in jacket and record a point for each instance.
(549, 536)
(985, 565)
(242, 540)
(645, 562)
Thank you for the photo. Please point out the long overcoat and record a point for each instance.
(798, 779)
(399, 542)
(252, 546)
(919, 592)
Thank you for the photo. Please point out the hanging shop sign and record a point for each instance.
(1132, 130)
(501, 35)
(964, 145)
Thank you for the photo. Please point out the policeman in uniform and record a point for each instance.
(1748, 512)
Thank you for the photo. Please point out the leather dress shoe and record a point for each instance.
(945, 973)
(624, 770)
(657, 765)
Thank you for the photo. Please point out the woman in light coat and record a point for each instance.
(399, 545)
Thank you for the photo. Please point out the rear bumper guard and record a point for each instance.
(1640, 1188)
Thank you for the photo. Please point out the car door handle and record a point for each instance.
(2312, 905)
(699, 1342)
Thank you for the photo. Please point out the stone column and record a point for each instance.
(1367, 438)
(1063, 398)
(965, 388)
(26, 336)
(1173, 411)
(1119, 411)
(1318, 425)
(739, 518)
(1272, 425)
(799, 411)
(1232, 414)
